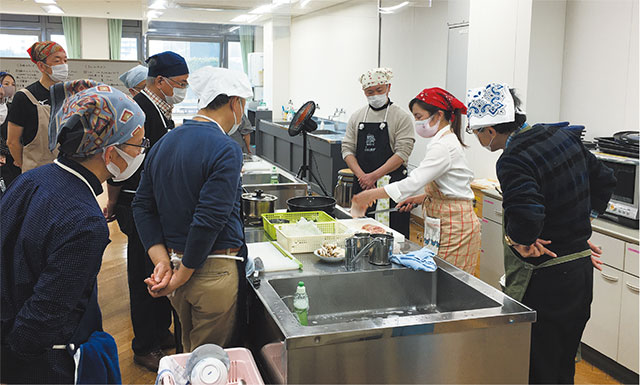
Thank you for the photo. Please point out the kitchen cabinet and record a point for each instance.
(631, 259)
(601, 332)
(612, 249)
(491, 264)
(492, 209)
(416, 231)
(628, 338)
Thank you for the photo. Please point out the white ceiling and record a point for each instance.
(209, 11)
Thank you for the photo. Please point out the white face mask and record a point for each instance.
(3, 112)
(59, 72)
(178, 96)
(133, 164)
(236, 124)
(377, 101)
(424, 127)
(488, 146)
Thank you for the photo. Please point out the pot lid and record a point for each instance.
(259, 196)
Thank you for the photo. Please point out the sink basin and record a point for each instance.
(366, 295)
(263, 178)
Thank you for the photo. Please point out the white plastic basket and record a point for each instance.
(332, 232)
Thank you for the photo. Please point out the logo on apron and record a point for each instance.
(370, 143)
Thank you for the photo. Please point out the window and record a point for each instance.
(16, 45)
(129, 48)
(60, 39)
(235, 56)
(197, 54)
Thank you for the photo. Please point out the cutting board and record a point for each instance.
(356, 225)
(271, 257)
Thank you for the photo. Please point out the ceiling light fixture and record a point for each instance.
(158, 4)
(245, 18)
(387, 10)
(154, 14)
(264, 9)
(304, 3)
(53, 9)
(45, 1)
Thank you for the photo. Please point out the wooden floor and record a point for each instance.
(114, 302)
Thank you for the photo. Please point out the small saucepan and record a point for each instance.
(257, 203)
(311, 203)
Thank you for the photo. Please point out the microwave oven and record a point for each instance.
(623, 206)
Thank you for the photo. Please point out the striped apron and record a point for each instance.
(459, 228)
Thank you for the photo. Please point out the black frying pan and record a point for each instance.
(314, 203)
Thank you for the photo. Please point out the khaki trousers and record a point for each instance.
(206, 304)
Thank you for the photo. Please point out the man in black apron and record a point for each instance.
(379, 140)
(551, 187)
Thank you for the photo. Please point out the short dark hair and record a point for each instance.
(218, 102)
(507, 128)
(3, 76)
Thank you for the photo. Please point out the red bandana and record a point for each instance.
(41, 50)
(442, 99)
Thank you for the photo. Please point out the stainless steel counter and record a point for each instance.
(600, 225)
(367, 330)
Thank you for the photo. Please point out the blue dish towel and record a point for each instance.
(417, 260)
(99, 361)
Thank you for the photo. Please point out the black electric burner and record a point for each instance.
(624, 143)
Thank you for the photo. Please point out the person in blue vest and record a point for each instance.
(53, 234)
(551, 186)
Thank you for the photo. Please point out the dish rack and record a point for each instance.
(315, 216)
(333, 232)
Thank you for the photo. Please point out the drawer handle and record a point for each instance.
(633, 288)
(609, 277)
(633, 250)
(498, 213)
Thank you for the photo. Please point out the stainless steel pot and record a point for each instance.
(382, 252)
(255, 204)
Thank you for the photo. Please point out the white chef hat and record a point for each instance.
(490, 105)
(376, 76)
(134, 76)
(209, 82)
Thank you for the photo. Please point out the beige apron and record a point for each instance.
(459, 228)
(518, 272)
(37, 153)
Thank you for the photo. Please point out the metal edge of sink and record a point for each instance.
(298, 336)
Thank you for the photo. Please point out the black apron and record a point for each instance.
(373, 149)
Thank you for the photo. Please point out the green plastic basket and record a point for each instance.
(315, 216)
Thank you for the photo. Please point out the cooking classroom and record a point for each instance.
(216, 192)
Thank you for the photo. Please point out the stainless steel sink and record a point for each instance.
(381, 294)
(263, 178)
(391, 325)
(323, 132)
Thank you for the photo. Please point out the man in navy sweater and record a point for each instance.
(187, 211)
(552, 187)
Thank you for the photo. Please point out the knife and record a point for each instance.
(391, 210)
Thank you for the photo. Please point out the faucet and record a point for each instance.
(352, 255)
(337, 113)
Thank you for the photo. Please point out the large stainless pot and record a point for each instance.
(255, 204)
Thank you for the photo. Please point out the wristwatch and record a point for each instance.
(509, 241)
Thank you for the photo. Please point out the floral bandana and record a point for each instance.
(490, 105)
(375, 77)
(87, 116)
(41, 50)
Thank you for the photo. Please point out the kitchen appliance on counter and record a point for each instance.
(256, 203)
(623, 206)
(344, 187)
(287, 187)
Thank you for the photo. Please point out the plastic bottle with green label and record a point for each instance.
(301, 304)
(274, 176)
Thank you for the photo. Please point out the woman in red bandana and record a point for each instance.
(441, 183)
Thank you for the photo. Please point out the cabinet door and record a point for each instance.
(631, 259)
(416, 232)
(601, 332)
(628, 341)
(612, 249)
(491, 265)
(492, 209)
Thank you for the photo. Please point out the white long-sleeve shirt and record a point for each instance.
(444, 163)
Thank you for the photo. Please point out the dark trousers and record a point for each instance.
(561, 295)
(150, 317)
(51, 367)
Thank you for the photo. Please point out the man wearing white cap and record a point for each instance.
(135, 79)
(379, 139)
(551, 185)
(187, 211)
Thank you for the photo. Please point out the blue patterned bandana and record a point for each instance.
(87, 116)
(489, 106)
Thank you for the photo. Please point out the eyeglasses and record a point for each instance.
(180, 84)
(470, 131)
(146, 143)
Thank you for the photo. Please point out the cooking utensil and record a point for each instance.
(391, 210)
(312, 203)
(381, 252)
(257, 203)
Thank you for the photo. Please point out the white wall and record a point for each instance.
(330, 49)
(414, 45)
(95, 38)
(277, 51)
(545, 60)
(600, 73)
(499, 35)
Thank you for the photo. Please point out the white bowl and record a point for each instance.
(327, 259)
